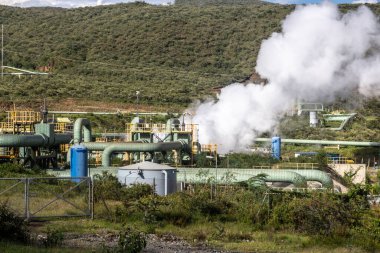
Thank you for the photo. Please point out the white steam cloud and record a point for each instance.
(319, 54)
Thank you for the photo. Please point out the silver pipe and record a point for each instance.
(324, 142)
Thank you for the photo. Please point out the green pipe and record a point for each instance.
(316, 175)
(324, 142)
(96, 146)
(36, 140)
(223, 175)
(139, 147)
(79, 125)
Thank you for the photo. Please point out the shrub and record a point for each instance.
(12, 228)
(178, 210)
(368, 234)
(16, 170)
(53, 238)
(319, 213)
(131, 241)
(107, 186)
(150, 207)
(137, 191)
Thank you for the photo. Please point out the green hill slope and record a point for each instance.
(172, 54)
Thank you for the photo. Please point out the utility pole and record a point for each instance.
(137, 103)
(2, 51)
(216, 170)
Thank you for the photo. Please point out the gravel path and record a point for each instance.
(173, 244)
(155, 244)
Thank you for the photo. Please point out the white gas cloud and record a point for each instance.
(320, 53)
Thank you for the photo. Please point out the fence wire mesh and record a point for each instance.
(34, 198)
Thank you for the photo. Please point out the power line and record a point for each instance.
(137, 68)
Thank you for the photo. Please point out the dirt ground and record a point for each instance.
(81, 105)
(155, 244)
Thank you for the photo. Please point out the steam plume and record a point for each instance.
(319, 54)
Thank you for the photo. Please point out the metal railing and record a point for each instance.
(50, 197)
(300, 166)
(340, 160)
(159, 128)
(62, 127)
(23, 117)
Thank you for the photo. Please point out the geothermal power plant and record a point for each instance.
(160, 154)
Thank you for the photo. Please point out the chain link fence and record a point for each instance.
(50, 197)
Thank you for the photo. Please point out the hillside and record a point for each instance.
(172, 54)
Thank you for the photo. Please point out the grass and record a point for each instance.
(228, 236)
(7, 247)
(42, 196)
(218, 232)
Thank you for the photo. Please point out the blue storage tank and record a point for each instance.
(276, 148)
(78, 161)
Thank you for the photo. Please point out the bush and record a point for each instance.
(16, 170)
(317, 214)
(131, 241)
(53, 238)
(178, 210)
(12, 228)
(107, 186)
(137, 191)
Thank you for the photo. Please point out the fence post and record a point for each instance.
(91, 197)
(26, 198)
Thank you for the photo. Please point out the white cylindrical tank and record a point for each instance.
(313, 119)
(163, 178)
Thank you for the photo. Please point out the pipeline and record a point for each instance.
(96, 146)
(324, 142)
(240, 175)
(139, 147)
(297, 178)
(109, 148)
(36, 140)
(79, 125)
(316, 175)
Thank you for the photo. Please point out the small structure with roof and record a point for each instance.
(163, 178)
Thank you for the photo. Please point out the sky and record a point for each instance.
(82, 3)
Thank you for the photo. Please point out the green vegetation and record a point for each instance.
(16, 170)
(172, 54)
(235, 216)
(244, 218)
(364, 127)
(218, 2)
(107, 53)
(12, 228)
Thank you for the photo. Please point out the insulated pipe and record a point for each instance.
(138, 147)
(316, 175)
(91, 146)
(239, 175)
(79, 125)
(100, 146)
(96, 146)
(36, 140)
(166, 181)
(324, 142)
